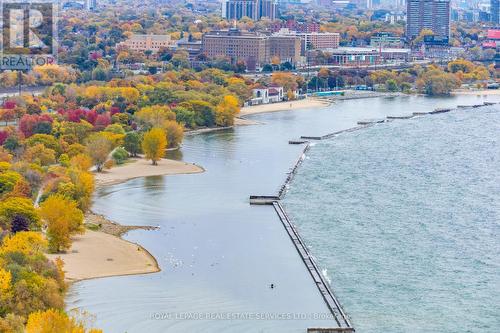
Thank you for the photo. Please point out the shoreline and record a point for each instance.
(121, 257)
(101, 251)
(310, 102)
(140, 167)
(480, 92)
(159, 256)
(87, 259)
(241, 120)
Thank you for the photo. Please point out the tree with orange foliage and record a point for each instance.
(286, 80)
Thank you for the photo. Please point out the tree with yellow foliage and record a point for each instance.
(29, 243)
(99, 148)
(40, 154)
(81, 161)
(5, 282)
(226, 111)
(154, 116)
(14, 210)
(63, 219)
(154, 144)
(51, 321)
(174, 132)
(51, 73)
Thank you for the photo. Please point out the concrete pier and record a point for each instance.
(436, 111)
(331, 135)
(400, 117)
(421, 113)
(263, 199)
(323, 286)
(371, 121)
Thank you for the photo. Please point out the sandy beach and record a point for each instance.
(97, 254)
(283, 106)
(140, 167)
(103, 253)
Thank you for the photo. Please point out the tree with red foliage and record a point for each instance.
(102, 121)
(91, 116)
(9, 104)
(3, 136)
(75, 115)
(29, 121)
(114, 109)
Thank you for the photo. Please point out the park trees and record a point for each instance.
(154, 116)
(132, 143)
(226, 111)
(40, 154)
(17, 213)
(53, 320)
(286, 80)
(119, 155)
(48, 141)
(154, 144)
(30, 124)
(99, 148)
(63, 219)
(435, 81)
(174, 132)
(204, 113)
(28, 280)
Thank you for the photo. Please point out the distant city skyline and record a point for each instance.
(428, 14)
(254, 9)
(494, 9)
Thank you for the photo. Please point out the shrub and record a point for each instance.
(119, 155)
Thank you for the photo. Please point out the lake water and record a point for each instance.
(405, 217)
(219, 255)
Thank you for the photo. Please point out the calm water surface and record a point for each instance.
(218, 254)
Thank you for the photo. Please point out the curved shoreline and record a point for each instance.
(118, 258)
(101, 251)
(81, 259)
(139, 167)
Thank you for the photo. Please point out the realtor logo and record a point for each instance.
(28, 33)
